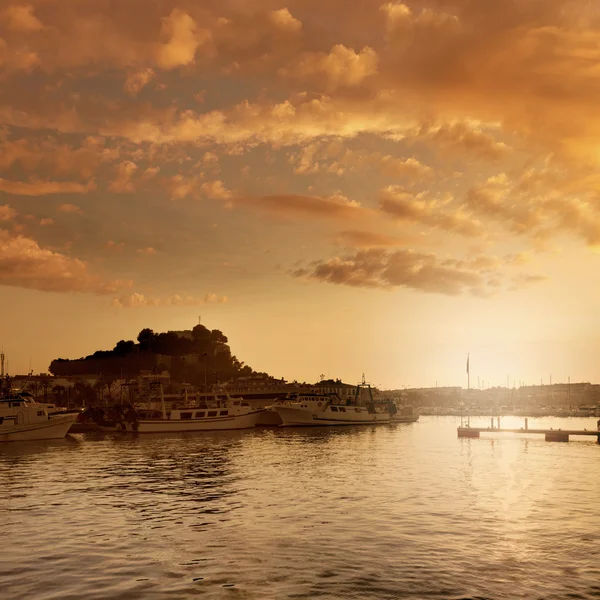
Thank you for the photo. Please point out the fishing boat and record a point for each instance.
(220, 412)
(330, 409)
(22, 419)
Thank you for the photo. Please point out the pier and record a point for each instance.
(551, 435)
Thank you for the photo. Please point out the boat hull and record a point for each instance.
(246, 421)
(54, 428)
(295, 417)
(269, 418)
(397, 419)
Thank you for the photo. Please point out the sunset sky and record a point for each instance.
(340, 187)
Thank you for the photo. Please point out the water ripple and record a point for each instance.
(374, 512)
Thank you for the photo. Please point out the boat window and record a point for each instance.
(342, 409)
(200, 415)
(223, 412)
(186, 415)
(212, 413)
(40, 413)
(12, 404)
(334, 408)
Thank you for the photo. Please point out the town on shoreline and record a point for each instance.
(193, 362)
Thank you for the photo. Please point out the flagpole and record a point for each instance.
(468, 391)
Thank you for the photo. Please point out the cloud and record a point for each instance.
(21, 18)
(59, 159)
(283, 20)
(336, 206)
(7, 213)
(331, 157)
(539, 203)
(43, 188)
(408, 206)
(470, 139)
(70, 208)
(216, 190)
(149, 251)
(341, 67)
(376, 268)
(180, 186)
(137, 300)
(410, 168)
(123, 184)
(113, 246)
(23, 263)
(137, 80)
(419, 95)
(183, 39)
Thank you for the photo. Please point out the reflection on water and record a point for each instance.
(405, 511)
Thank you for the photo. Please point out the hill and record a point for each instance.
(190, 355)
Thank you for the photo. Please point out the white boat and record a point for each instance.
(219, 413)
(23, 419)
(330, 409)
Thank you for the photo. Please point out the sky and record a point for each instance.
(340, 187)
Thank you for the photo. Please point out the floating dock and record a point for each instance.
(551, 435)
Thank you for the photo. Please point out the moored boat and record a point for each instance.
(222, 412)
(23, 419)
(330, 409)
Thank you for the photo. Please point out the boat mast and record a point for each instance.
(468, 392)
(162, 401)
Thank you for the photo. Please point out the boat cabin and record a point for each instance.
(18, 411)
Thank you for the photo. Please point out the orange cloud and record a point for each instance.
(331, 157)
(405, 205)
(471, 139)
(137, 300)
(122, 183)
(183, 39)
(149, 251)
(23, 263)
(21, 18)
(216, 190)
(58, 159)
(341, 67)
(43, 188)
(69, 208)
(114, 246)
(336, 206)
(376, 268)
(137, 80)
(7, 213)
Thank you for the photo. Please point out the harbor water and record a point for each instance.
(389, 511)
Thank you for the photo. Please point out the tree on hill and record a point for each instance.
(192, 354)
(145, 339)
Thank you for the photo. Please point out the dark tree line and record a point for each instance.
(195, 356)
